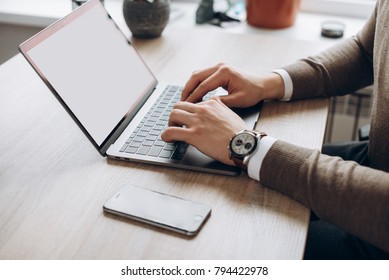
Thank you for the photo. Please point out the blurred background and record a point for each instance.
(21, 19)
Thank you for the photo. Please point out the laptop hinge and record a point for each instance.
(118, 130)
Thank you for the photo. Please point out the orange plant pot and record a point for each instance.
(272, 13)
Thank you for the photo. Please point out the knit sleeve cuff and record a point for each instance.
(256, 159)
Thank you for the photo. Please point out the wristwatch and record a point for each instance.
(242, 145)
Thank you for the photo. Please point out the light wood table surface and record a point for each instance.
(53, 183)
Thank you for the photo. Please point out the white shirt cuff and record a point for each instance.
(256, 159)
(288, 84)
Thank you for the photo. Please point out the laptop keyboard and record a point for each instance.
(146, 138)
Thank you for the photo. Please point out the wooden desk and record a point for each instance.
(53, 182)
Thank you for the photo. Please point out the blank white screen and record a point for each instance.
(94, 70)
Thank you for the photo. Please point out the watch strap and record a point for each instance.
(239, 162)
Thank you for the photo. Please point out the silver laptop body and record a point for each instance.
(101, 81)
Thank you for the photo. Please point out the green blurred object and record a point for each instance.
(78, 3)
(205, 12)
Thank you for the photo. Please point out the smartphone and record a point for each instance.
(158, 209)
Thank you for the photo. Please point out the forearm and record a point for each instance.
(331, 73)
(342, 69)
(343, 193)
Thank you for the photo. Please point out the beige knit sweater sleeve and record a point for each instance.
(350, 196)
(339, 70)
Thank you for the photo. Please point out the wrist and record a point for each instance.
(242, 145)
(273, 86)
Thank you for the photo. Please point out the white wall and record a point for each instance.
(11, 36)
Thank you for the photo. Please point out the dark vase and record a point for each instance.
(144, 19)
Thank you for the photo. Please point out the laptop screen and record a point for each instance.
(92, 67)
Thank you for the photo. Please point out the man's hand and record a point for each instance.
(208, 126)
(244, 90)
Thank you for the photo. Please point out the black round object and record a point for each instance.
(332, 29)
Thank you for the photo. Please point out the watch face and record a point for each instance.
(243, 143)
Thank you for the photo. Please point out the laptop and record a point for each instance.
(104, 85)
